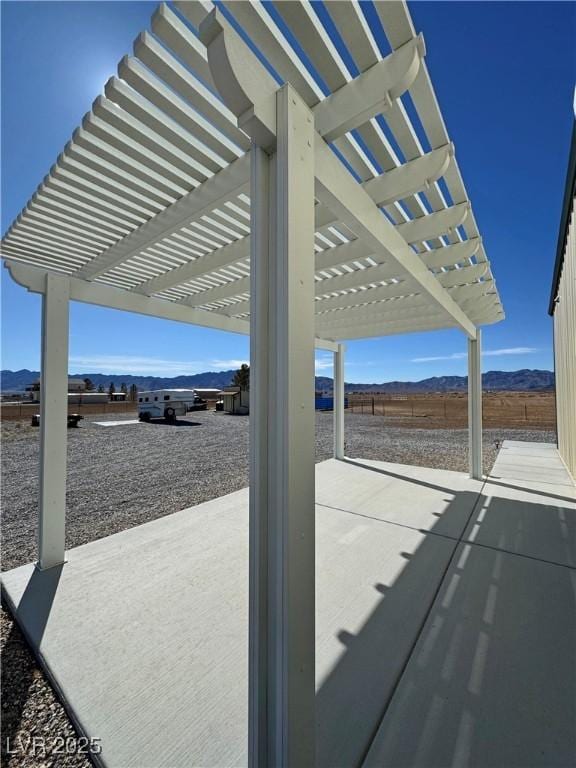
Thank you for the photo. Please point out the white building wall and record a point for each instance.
(565, 350)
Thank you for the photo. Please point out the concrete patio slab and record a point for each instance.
(424, 499)
(117, 423)
(145, 632)
(526, 521)
(527, 446)
(535, 517)
(534, 462)
(492, 680)
(446, 625)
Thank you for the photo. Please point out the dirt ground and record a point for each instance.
(520, 410)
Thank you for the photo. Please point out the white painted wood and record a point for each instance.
(53, 421)
(33, 279)
(359, 277)
(337, 189)
(414, 176)
(384, 312)
(386, 328)
(434, 224)
(119, 161)
(116, 298)
(150, 136)
(228, 254)
(161, 134)
(136, 75)
(339, 395)
(175, 35)
(234, 252)
(224, 186)
(194, 10)
(463, 276)
(159, 61)
(155, 119)
(282, 596)
(475, 406)
(370, 94)
(449, 255)
(263, 178)
(117, 173)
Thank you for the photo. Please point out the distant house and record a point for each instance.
(87, 398)
(236, 401)
(74, 386)
(208, 393)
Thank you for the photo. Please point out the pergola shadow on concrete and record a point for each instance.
(281, 172)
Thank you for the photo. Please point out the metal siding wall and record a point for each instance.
(565, 351)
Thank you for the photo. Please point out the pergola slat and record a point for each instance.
(177, 37)
(148, 196)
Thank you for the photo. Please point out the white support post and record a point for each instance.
(339, 402)
(282, 525)
(53, 421)
(475, 406)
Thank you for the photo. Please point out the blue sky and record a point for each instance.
(504, 75)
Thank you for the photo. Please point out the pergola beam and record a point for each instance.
(414, 176)
(359, 277)
(224, 186)
(390, 329)
(379, 313)
(383, 322)
(337, 188)
(370, 93)
(239, 250)
(99, 294)
(449, 255)
(203, 265)
(434, 225)
(462, 276)
(116, 298)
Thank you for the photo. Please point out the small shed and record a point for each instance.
(236, 401)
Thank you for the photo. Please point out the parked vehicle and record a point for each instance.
(168, 404)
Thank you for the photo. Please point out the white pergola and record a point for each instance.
(273, 172)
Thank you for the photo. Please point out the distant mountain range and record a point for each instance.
(521, 381)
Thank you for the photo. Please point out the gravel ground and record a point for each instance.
(30, 710)
(122, 476)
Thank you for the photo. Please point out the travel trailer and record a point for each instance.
(168, 404)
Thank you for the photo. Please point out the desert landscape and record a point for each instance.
(449, 410)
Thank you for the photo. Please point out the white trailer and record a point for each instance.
(168, 404)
